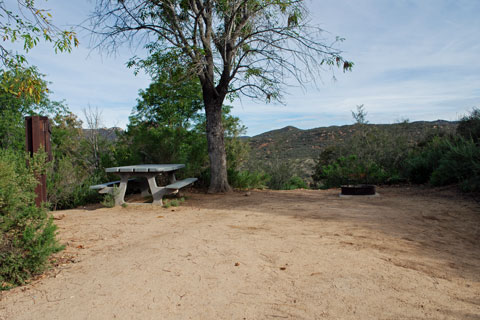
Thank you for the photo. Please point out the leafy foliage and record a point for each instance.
(422, 162)
(69, 174)
(373, 156)
(29, 24)
(246, 179)
(72, 170)
(13, 109)
(283, 175)
(460, 164)
(349, 170)
(469, 126)
(27, 235)
(168, 126)
(447, 160)
(174, 97)
(295, 182)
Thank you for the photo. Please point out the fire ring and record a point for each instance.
(358, 190)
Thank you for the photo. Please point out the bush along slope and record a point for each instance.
(28, 236)
(439, 159)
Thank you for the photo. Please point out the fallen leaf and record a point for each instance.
(160, 217)
(283, 268)
(237, 264)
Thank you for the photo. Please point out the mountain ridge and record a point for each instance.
(291, 143)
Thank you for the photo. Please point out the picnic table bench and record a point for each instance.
(147, 174)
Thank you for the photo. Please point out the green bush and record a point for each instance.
(295, 182)
(373, 154)
(68, 184)
(327, 157)
(350, 170)
(27, 232)
(245, 179)
(446, 160)
(469, 126)
(422, 163)
(279, 173)
(459, 164)
(75, 167)
(387, 147)
(108, 200)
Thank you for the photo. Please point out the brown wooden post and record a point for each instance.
(37, 132)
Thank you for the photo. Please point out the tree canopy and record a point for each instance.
(173, 98)
(235, 48)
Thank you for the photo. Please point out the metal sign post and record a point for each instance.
(37, 132)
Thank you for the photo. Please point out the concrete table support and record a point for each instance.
(149, 172)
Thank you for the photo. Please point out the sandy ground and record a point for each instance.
(269, 255)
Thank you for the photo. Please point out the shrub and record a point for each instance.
(27, 232)
(350, 170)
(422, 163)
(373, 154)
(446, 160)
(68, 184)
(279, 174)
(469, 126)
(295, 182)
(108, 200)
(459, 164)
(388, 147)
(327, 156)
(246, 179)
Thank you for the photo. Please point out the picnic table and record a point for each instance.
(148, 172)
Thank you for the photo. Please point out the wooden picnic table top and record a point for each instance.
(145, 168)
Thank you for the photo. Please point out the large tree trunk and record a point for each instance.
(216, 146)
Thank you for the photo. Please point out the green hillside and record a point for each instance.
(303, 146)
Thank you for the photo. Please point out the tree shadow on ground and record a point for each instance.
(442, 226)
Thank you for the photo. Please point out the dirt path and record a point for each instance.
(270, 255)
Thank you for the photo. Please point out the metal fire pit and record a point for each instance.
(358, 190)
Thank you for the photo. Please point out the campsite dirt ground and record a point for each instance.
(303, 254)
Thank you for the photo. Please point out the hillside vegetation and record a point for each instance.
(302, 147)
(291, 143)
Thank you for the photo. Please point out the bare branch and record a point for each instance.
(243, 42)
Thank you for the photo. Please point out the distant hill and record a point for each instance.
(291, 143)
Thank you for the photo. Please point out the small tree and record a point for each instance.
(168, 115)
(93, 117)
(234, 47)
(360, 116)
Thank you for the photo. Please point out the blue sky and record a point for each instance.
(414, 59)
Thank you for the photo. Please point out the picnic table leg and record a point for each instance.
(157, 193)
(145, 190)
(122, 188)
(171, 177)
